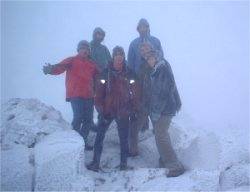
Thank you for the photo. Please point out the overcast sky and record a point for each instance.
(206, 43)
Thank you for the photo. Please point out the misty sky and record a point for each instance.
(206, 43)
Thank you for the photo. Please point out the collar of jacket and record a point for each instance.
(94, 43)
(110, 66)
(145, 38)
(82, 59)
(157, 66)
(116, 73)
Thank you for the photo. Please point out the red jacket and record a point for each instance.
(117, 94)
(80, 74)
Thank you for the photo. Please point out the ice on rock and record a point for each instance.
(26, 121)
(39, 149)
(59, 159)
(36, 138)
(236, 176)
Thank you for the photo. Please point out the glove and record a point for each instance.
(47, 69)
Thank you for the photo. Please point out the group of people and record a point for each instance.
(128, 92)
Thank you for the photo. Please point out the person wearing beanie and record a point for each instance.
(161, 102)
(99, 52)
(80, 74)
(116, 99)
(134, 54)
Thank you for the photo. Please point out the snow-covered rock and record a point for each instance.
(26, 121)
(39, 149)
(58, 159)
(235, 176)
(16, 169)
(36, 137)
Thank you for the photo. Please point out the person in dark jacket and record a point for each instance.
(134, 53)
(161, 101)
(80, 74)
(144, 48)
(99, 52)
(116, 99)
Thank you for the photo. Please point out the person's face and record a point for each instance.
(83, 52)
(118, 62)
(142, 29)
(151, 60)
(99, 37)
(144, 49)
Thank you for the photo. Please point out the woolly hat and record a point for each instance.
(83, 44)
(118, 51)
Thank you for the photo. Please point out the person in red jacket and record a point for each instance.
(80, 75)
(116, 99)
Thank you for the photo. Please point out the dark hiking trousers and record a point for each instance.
(82, 116)
(103, 125)
(135, 126)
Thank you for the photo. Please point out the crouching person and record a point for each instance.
(116, 99)
(163, 103)
(80, 75)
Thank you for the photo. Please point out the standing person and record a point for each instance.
(116, 99)
(135, 57)
(141, 123)
(80, 74)
(162, 102)
(99, 52)
(134, 54)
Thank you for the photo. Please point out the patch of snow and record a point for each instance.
(16, 169)
(235, 176)
(59, 159)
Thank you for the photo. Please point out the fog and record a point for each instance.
(206, 43)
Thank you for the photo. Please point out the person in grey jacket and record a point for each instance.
(99, 52)
(134, 54)
(161, 101)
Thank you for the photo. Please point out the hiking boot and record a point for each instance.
(93, 166)
(123, 166)
(175, 172)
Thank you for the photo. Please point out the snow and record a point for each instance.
(235, 176)
(39, 149)
(58, 160)
(26, 121)
(16, 171)
(41, 153)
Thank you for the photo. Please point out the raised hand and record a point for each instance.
(47, 68)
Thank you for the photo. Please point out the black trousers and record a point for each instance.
(82, 116)
(103, 125)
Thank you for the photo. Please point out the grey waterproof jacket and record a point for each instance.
(159, 92)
